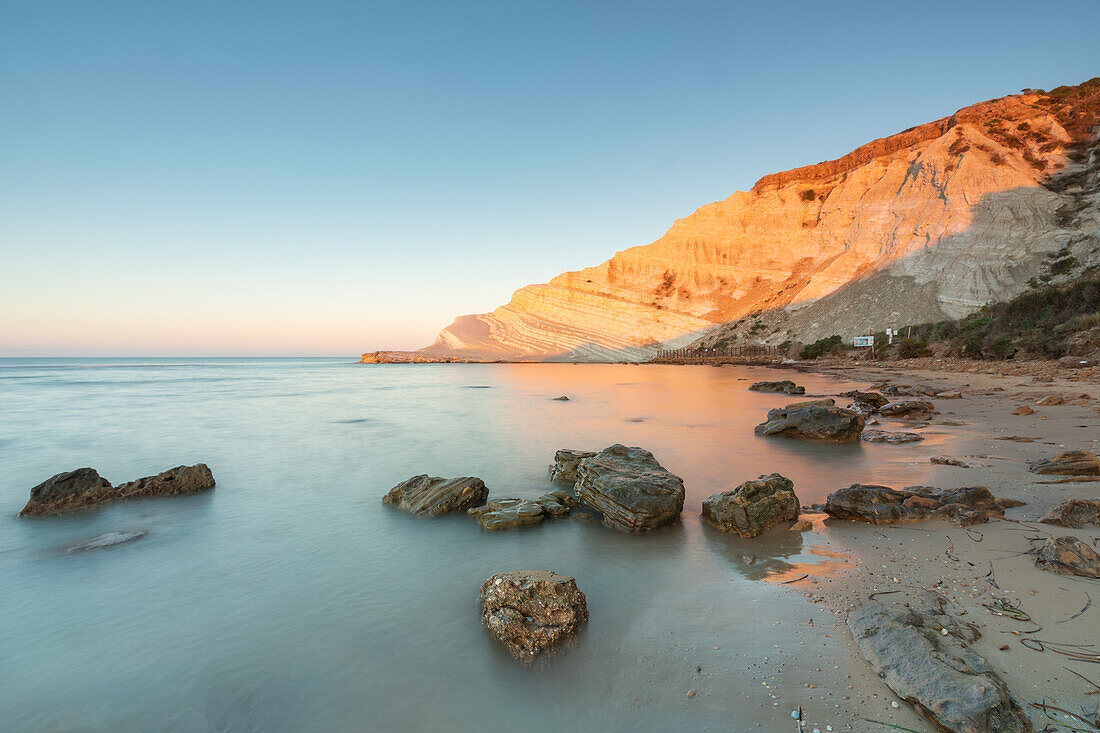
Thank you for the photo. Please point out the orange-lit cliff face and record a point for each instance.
(929, 223)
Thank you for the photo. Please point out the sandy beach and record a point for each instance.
(986, 572)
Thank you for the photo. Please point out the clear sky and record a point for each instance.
(334, 177)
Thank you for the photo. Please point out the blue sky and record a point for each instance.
(334, 177)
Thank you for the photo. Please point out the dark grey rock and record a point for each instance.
(936, 672)
(785, 386)
(813, 422)
(630, 488)
(884, 505)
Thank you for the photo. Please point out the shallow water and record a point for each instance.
(289, 598)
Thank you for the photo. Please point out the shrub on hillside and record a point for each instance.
(821, 347)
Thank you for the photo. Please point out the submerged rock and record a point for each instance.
(532, 611)
(925, 659)
(108, 539)
(430, 496)
(753, 507)
(802, 525)
(630, 488)
(564, 467)
(1069, 463)
(786, 387)
(884, 505)
(907, 408)
(813, 422)
(885, 436)
(84, 488)
(1075, 513)
(1068, 555)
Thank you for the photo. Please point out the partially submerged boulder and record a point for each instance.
(1069, 463)
(431, 496)
(1075, 513)
(1068, 555)
(884, 505)
(926, 660)
(885, 436)
(532, 611)
(753, 507)
(84, 488)
(907, 408)
(630, 488)
(499, 514)
(564, 467)
(813, 422)
(785, 386)
(873, 399)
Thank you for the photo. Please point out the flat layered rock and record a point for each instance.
(84, 488)
(814, 422)
(1069, 463)
(564, 467)
(509, 513)
(1068, 556)
(907, 408)
(532, 612)
(785, 386)
(1075, 513)
(431, 496)
(925, 658)
(885, 436)
(753, 507)
(630, 488)
(884, 505)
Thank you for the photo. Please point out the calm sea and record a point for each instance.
(290, 599)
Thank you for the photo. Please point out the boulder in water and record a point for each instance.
(84, 488)
(532, 612)
(630, 488)
(564, 467)
(431, 496)
(753, 507)
(785, 386)
(885, 436)
(813, 422)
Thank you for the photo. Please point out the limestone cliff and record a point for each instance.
(926, 224)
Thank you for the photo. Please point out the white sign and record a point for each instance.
(863, 341)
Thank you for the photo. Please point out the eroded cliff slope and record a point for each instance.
(926, 224)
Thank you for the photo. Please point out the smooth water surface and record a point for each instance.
(290, 598)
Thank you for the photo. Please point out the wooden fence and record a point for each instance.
(693, 355)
